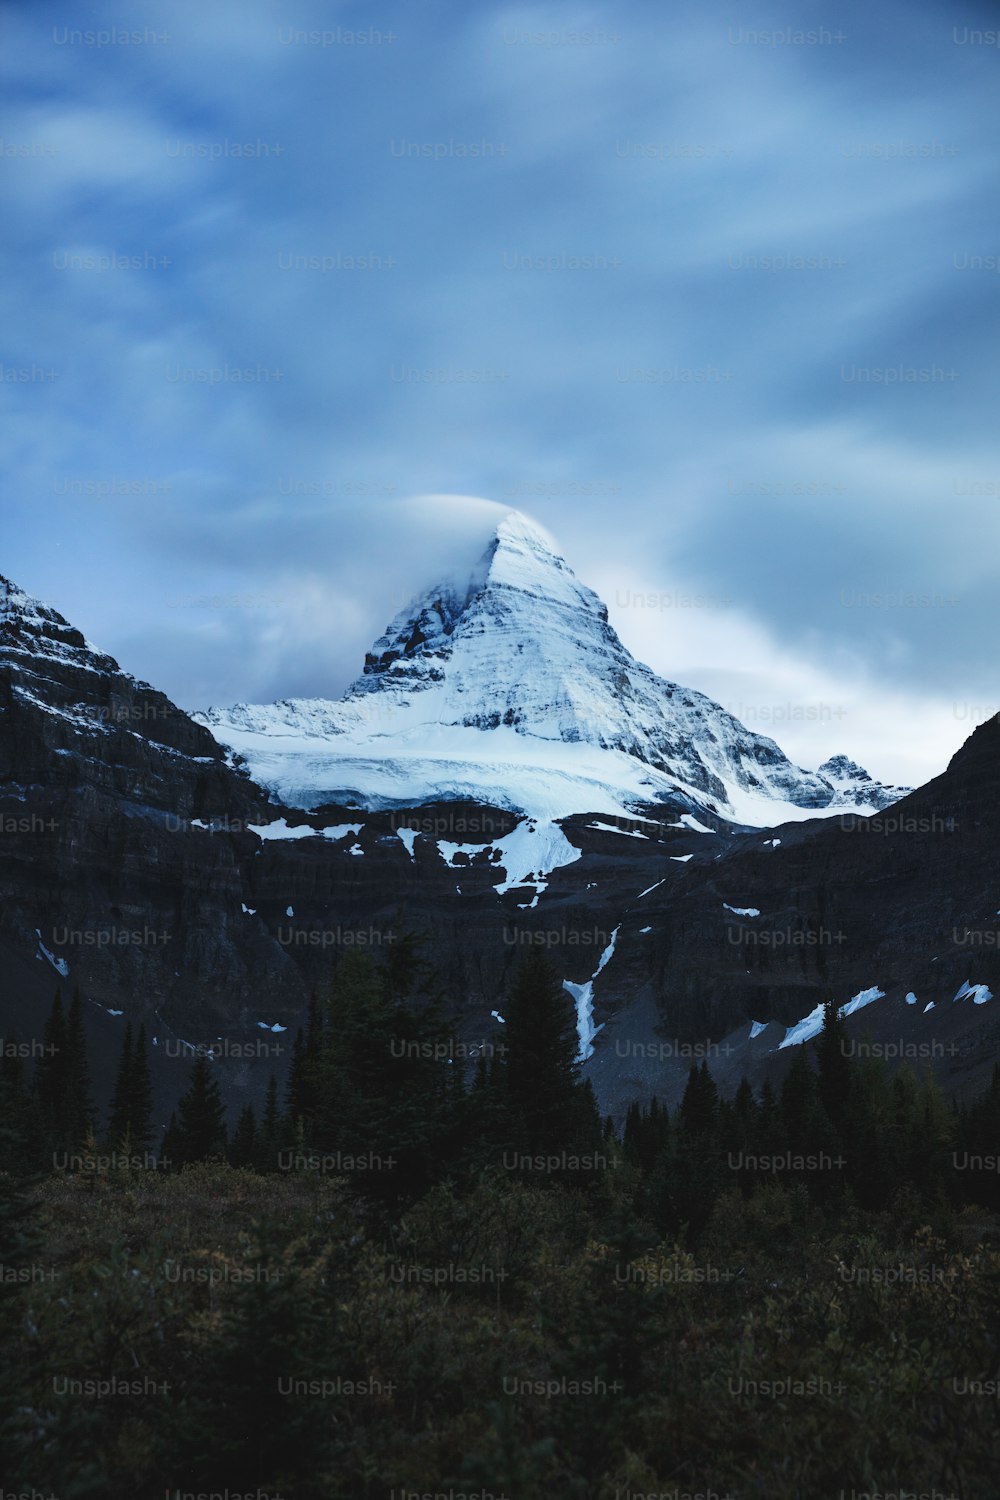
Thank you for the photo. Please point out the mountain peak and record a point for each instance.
(853, 784)
(14, 600)
(22, 617)
(507, 684)
(842, 768)
(517, 579)
(523, 556)
(517, 529)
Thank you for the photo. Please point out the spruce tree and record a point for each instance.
(130, 1123)
(700, 1106)
(798, 1104)
(303, 1085)
(242, 1149)
(350, 1065)
(297, 1086)
(385, 1092)
(546, 1109)
(809, 1132)
(690, 1173)
(833, 1064)
(51, 1074)
(79, 1111)
(201, 1125)
(141, 1094)
(769, 1131)
(118, 1123)
(21, 1146)
(270, 1135)
(481, 1117)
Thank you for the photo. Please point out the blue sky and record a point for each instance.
(714, 300)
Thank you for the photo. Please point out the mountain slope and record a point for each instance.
(136, 863)
(898, 912)
(66, 704)
(510, 686)
(105, 878)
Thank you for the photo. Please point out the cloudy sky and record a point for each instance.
(710, 290)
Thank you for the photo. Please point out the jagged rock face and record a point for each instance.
(100, 777)
(488, 685)
(69, 710)
(765, 927)
(853, 784)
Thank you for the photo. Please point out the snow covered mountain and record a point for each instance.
(854, 785)
(136, 864)
(509, 686)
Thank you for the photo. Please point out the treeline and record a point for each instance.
(836, 1126)
(379, 1092)
(402, 1279)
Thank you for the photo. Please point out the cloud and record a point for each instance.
(659, 409)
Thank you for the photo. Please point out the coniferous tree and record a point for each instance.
(699, 1110)
(79, 1108)
(350, 1064)
(978, 1130)
(547, 1111)
(51, 1074)
(631, 1132)
(769, 1133)
(639, 1145)
(870, 1153)
(820, 1155)
(798, 1104)
(130, 1122)
(141, 1093)
(833, 1065)
(201, 1124)
(745, 1111)
(302, 1088)
(386, 1096)
(296, 1086)
(738, 1122)
(270, 1134)
(308, 1101)
(691, 1172)
(481, 1116)
(243, 1147)
(24, 1148)
(118, 1123)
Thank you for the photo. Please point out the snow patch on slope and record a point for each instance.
(527, 855)
(690, 822)
(583, 995)
(812, 1024)
(408, 837)
(59, 964)
(980, 993)
(281, 830)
